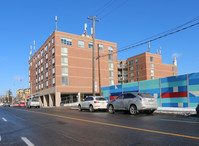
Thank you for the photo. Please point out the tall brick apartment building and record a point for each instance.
(145, 66)
(61, 70)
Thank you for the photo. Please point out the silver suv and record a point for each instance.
(133, 102)
(33, 102)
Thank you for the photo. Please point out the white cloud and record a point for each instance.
(176, 55)
(17, 78)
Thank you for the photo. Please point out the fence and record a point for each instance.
(175, 91)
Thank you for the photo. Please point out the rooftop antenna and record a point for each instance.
(30, 52)
(85, 29)
(56, 23)
(34, 46)
(160, 50)
(149, 47)
(157, 51)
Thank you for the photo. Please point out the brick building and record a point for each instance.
(61, 70)
(147, 66)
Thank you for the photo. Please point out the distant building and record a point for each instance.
(22, 94)
(61, 70)
(122, 72)
(147, 66)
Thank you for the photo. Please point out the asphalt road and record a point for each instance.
(63, 126)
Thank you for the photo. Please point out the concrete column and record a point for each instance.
(57, 98)
(79, 97)
(44, 100)
(50, 100)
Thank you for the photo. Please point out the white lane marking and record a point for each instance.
(27, 141)
(4, 119)
(180, 121)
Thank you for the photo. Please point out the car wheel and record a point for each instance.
(79, 108)
(133, 110)
(111, 109)
(30, 106)
(91, 109)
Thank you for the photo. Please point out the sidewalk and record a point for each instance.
(178, 111)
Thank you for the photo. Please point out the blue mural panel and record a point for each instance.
(174, 78)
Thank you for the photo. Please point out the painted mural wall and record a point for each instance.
(175, 91)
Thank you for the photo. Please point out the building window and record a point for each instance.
(38, 63)
(138, 79)
(53, 60)
(81, 44)
(50, 72)
(132, 80)
(46, 48)
(151, 59)
(39, 78)
(152, 73)
(110, 57)
(152, 66)
(50, 62)
(131, 74)
(42, 68)
(137, 60)
(64, 81)
(46, 83)
(46, 74)
(111, 66)
(53, 81)
(38, 55)
(100, 46)
(110, 48)
(131, 62)
(53, 40)
(138, 73)
(42, 77)
(137, 66)
(53, 70)
(64, 71)
(90, 45)
(39, 70)
(66, 41)
(111, 74)
(39, 86)
(131, 68)
(152, 77)
(42, 52)
(64, 60)
(46, 56)
(49, 44)
(64, 51)
(42, 85)
(46, 65)
(53, 50)
(42, 60)
(111, 82)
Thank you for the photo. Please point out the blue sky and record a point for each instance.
(128, 21)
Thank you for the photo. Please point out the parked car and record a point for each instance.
(93, 103)
(1, 104)
(22, 104)
(16, 104)
(33, 102)
(197, 110)
(6, 104)
(133, 102)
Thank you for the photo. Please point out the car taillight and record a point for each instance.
(30, 102)
(96, 101)
(106, 101)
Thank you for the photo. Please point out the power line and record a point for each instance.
(104, 7)
(172, 29)
(114, 9)
(145, 42)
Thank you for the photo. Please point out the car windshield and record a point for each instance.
(145, 95)
(101, 98)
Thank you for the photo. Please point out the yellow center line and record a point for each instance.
(114, 125)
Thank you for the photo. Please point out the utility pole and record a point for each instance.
(99, 72)
(93, 56)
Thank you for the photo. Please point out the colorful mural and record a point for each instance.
(175, 91)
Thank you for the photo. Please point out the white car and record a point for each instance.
(93, 103)
(1, 104)
(33, 102)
